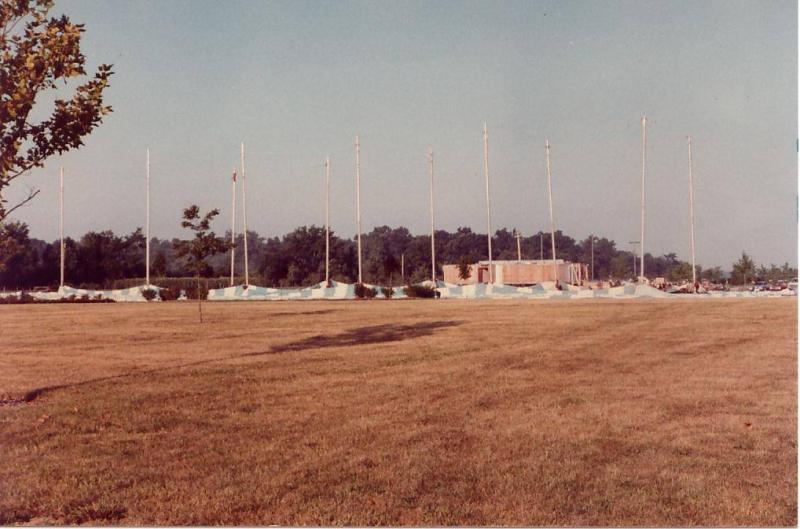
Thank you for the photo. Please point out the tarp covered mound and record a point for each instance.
(319, 291)
(750, 294)
(245, 292)
(337, 290)
(548, 290)
(122, 294)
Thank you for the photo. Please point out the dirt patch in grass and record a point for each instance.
(409, 413)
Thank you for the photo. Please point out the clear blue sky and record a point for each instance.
(297, 80)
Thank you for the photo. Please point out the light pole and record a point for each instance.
(644, 149)
(634, 243)
(488, 202)
(592, 245)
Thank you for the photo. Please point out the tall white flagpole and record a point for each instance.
(433, 231)
(691, 211)
(488, 202)
(244, 215)
(147, 227)
(61, 224)
(552, 221)
(233, 222)
(327, 220)
(641, 239)
(358, 203)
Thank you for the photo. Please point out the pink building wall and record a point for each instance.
(518, 272)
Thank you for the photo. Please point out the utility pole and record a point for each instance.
(147, 224)
(244, 215)
(592, 245)
(517, 235)
(433, 232)
(691, 212)
(634, 243)
(488, 203)
(358, 203)
(61, 224)
(644, 149)
(233, 222)
(327, 220)
(550, 199)
(403, 268)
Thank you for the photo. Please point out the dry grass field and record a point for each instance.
(400, 412)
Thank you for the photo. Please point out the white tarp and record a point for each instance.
(446, 291)
(122, 294)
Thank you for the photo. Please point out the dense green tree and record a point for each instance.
(159, 266)
(714, 275)
(17, 256)
(103, 259)
(743, 270)
(604, 251)
(681, 272)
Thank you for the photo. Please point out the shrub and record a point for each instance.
(365, 292)
(149, 293)
(14, 300)
(419, 291)
(27, 298)
(388, 292)
(168, 294)
(192, 293)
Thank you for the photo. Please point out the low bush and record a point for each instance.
(419, 291)
(365, 292)
(25, 298)
(149, 294)
(168, 294)
(388, 292)
(192, 292)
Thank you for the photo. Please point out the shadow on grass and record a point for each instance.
(374, 334)
(365, 336)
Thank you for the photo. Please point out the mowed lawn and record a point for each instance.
(661, 412)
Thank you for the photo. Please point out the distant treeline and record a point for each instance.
(104, 259)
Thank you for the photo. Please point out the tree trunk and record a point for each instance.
(199, 299)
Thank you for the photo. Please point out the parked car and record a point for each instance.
(792, 284)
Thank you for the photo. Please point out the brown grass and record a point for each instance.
(405, 412)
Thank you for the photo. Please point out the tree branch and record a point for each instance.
(31, 193)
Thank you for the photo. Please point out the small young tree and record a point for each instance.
(464, 269)
(204, 244)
